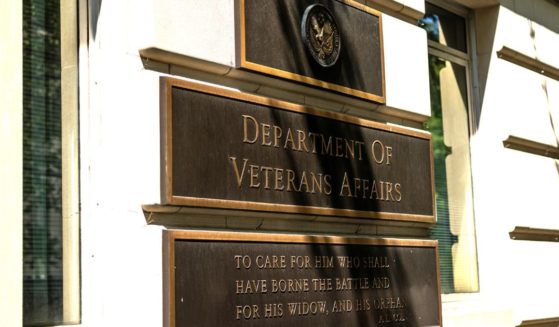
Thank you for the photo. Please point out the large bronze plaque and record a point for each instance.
(233, 279)
(274, 41)
(227, 149)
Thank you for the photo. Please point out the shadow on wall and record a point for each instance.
(94, 12)
(552, 122)
(486, 26)
(541, 12)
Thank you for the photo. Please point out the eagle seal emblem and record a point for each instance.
(320, 35)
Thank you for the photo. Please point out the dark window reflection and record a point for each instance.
(444, 27)
(42, 190)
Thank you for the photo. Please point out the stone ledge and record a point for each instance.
(194, 217)
(175, 64)
(396, 9)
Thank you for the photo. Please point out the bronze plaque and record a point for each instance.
(332, 44)
(227, 149)
(238, 279)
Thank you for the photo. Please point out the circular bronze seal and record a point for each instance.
(320, 34)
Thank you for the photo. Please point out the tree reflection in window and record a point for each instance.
(449, 126)
(441, 231)
(42, 165)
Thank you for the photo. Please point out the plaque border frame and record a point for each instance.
(260, 68)
(171, 236)
(166, 170)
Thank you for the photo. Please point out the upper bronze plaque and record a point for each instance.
(226, 149)
(332, 44)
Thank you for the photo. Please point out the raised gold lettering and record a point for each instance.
(339, 146)
(243, 261)
(389, 191)
(238, 174)
(398, 189)
(327, 184)
(277, 135)
(342, 306)
(271, 262)
(365, 188)
(380, 282)
(326, 146)
(291, 181)
(254, 123)
(266, 134)
(349, 149)
(312, 137)
(316, 182)
(360, 149)
(247, 312)
(253, 170)
(266, 171)
(388, 154)
(322, 284)
(304, 182)
(345, 186)
(251, 286)
(377, 150)
(301, 141)
(362, 305)
(290, 285)
(374, 191)
(356, 186)
(289, 140)
(323, 261)
(299, 261)
(278, 181)
(306, 308)
(273, 310)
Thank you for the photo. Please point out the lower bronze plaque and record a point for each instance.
(248, 279)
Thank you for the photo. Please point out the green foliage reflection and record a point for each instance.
(441, 231)
(42, 188)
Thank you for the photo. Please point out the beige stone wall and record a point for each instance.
(11, 164)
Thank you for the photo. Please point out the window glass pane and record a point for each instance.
(453, 186)
(42, 194)
(444, 27)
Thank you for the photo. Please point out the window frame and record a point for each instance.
(69, 11)
(69, 75)
(469, 62)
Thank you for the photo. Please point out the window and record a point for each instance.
(50, 189)
(449, 65)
